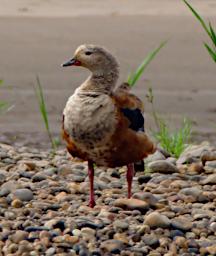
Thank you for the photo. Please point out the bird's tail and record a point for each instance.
(139, 166)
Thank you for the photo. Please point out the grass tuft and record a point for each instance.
(209, 30)
(135, 76)
(43, 111)
(173, 142)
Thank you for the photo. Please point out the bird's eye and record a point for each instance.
(88, 53)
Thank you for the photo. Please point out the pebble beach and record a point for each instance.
(44, 196)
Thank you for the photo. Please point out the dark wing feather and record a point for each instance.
(135, 117)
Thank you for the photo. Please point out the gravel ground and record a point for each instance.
(43, 206)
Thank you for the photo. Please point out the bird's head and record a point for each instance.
(95, 58)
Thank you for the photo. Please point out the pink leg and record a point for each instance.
(91, 180)
(130, 174)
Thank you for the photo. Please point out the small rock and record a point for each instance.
(195, 192)
(120, 225)
(24, 194)
(12, 248)
(37, 228)
(2, 176)
(211, 249)
(179, 184)
(16, 203)
(71, 239)
(50, 171)
(213, 226)
(157, 220)
(155, 157)
(88, 233)
(174, 233)
(112, 246)
(147, 197)
(192, 153)
(10, 215)
(151, 240)
(10, 185)
(182, 224)
(19, 236)
(39, 177)
(76, 232)
(121, 237)
(55, 223)
(196, 168)
(162, 166)
(4, 192)
(211, 179)
(181, 241)
(131, 204)
(51, 251)
(208, 155)
(211, 164)
(172, 160)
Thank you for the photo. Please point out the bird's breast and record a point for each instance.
(90, 121)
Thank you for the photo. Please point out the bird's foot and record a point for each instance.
(92, 203)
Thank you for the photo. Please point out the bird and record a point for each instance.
(101, 124)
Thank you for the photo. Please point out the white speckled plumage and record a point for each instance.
(90, 121)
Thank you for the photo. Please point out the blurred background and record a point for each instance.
(36, 36)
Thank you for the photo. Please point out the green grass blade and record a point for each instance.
(43, 111)
(213, 34)
(198, 17)
(1, 82)
(41, 102)
(137, 74)
(211, 52)
(129, 79)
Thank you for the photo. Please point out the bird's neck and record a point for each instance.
(101, 81)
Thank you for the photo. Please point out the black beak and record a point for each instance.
(69, 63)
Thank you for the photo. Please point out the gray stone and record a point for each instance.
(50, 171)
(194, 151)
(172, 160)
(24, 194)
(120, 225)
(162, 166)
(112, 246)
(51, 251)
(194, 191)
(10, 185)
(211, 164)
(131, 204)
(157, 220)
(19, 236)
(39, 177)
(10, 215)
(211, 179)
(154, 157)
(3, 175)
(213, 227)
(147, 197)
(150, 240)
(4, 192)
(179, 184)
(182, 224)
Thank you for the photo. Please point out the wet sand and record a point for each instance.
(36, 40)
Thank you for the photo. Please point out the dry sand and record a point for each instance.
(37, 36)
